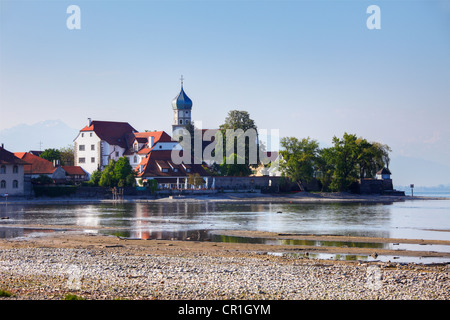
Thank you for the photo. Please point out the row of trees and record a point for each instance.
(349, 158)
(336, 167)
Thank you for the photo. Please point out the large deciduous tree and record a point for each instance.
(299, 159)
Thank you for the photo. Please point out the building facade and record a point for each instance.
(99, 142)
(12, 179)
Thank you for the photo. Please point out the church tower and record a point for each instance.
(182, 107)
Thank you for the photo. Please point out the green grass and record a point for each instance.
(5, 293)
(73, 297)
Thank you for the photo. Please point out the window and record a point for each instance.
(90, 134)
(117, 153)
(3, 184)
(81, 147)
(15, 169)
(92, 147)
(181, 121)
(160, 146)
(3, 169)
(82, 135)
(135, 159)
(92, 159)
(81, 160)
(15, 184)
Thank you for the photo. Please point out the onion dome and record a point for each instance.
(182, 101)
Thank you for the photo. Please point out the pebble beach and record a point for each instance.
(96, 267)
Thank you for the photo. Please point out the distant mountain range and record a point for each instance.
(39, 136)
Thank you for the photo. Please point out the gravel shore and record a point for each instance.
(105, 268)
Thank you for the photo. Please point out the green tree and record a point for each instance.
(325, 168)
(95, 178)
(237, 119)
(67, 156)
(344, 156)
(122, 169)
(195, 179)
(51, 154)
(239, 144)
(299, 159)
(108, 178)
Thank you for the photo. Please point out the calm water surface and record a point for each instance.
(410, 219)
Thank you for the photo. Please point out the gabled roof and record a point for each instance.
(74, 170)
(35, 164)
(384, 171)
(115, 133)
(162, 159)
(142, 137)
(7, 157)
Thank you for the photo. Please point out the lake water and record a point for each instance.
(411, 219)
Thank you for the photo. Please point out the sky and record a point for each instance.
(303, 67)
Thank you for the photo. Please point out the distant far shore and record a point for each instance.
(301, 197)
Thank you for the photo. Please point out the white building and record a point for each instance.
(99, 142)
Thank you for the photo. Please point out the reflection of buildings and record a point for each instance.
(164, 222)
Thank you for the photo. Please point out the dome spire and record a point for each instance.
(182, 101)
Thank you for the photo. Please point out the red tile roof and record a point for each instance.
(36, 165)
(115, 133)
(142, 137)
(74, 170)
(163, 159)
(7, 157)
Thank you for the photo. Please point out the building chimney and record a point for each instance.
(151, 141)
(89, 122)
(3, 146)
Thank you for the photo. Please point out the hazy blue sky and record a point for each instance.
(307, 68)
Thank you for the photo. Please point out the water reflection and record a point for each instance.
(414, 220)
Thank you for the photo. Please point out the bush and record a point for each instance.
(4, 293)
(73, 297)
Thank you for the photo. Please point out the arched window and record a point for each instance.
(135, 159)
(3, 169)
(181, 121)
(15, 169)
(15, 184)
(3, 184)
